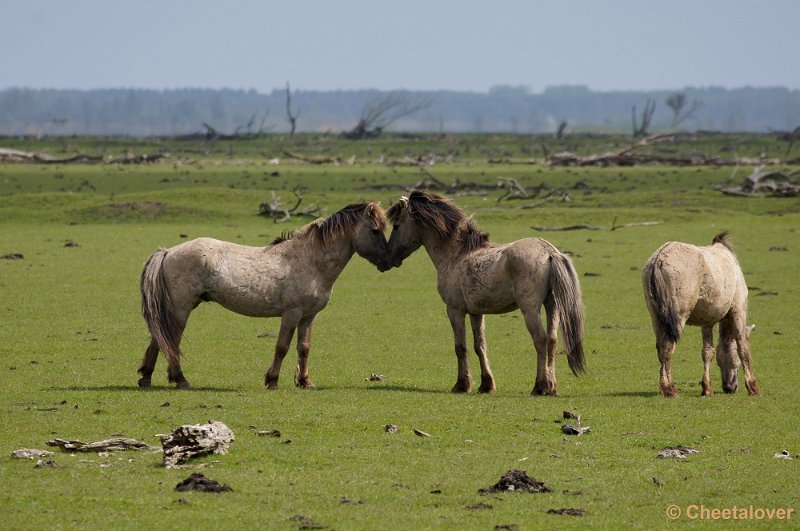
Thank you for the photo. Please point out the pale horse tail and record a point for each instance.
(566, 291)
(157, 309)
(660, 301)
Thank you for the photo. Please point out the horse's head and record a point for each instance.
(369, 239)
(728, 361)
(405, 238)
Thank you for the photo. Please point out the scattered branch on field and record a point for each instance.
(514, 190)
(319, 159)
(107, 445)
(189, 441)
(279, 214)
(613, 226)
(761, 182)
(16, 155)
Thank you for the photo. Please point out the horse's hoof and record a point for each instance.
(460, 388)
(669, 392)
(144, 382)
(182, 385)
(753, 390)
(305, 384)
(489, 389)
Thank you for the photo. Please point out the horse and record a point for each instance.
(476, 277)
(701, 286)
(292, 278)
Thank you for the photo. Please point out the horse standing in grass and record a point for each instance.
(477, 277)
(292, 279)
(701, 286)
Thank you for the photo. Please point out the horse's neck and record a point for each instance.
(441, 252)
(331, 258)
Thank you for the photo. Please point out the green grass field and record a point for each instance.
(71, 339)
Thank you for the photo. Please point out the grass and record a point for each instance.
(71, 338)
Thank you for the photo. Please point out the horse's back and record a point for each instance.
(701, 283)
(496, 278)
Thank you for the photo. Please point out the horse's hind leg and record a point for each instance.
(289, 321)
(545, 378)
(148, 364)
(708, 356)
(301, 378)
(464, 380)
(666, 347)
(479, 343)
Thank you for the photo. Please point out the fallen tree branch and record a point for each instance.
(16, 155)
(280, 214)
(613, 226)
(316, 160)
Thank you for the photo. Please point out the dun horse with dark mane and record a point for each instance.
(702, 286)
(477, 277)
(292, 279)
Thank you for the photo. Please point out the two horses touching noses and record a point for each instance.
(293, 277)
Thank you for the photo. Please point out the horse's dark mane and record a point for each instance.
(342, 223)
(447, 220)
(724, 238)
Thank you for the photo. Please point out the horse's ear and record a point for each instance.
(404, 201)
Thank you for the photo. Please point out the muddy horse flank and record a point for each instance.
(292, 279)
(476, 276)
(701, 286)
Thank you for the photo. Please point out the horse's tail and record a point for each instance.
(566, 292)
(157, 308)
(658, 300)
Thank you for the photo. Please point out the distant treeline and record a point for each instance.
(142, 112)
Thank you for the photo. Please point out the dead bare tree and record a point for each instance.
(677, 102)
(643, 128)
(382, 111)
(290, 116)
(562, 127)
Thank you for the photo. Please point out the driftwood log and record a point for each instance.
(761, 182)
(193, 440)
(107, 445)
(16, 155)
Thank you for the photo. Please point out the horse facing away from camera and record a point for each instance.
(701, 286)
(292, 279)
(477, 277)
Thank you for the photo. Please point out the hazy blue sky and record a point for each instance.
(399, 44)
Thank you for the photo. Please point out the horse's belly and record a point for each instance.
(490, 299)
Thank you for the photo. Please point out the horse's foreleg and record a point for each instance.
(289, 322)
(743, 346)
(301, 378)
(148, 364)
(708, 356)
(666, 348)
(464, 380)
(479, 343)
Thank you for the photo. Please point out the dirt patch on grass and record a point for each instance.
(516, 481)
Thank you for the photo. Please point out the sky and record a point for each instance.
(399, 44)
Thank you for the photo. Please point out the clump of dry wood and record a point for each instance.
(765, 182)
(17, 155)
(273, 208)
